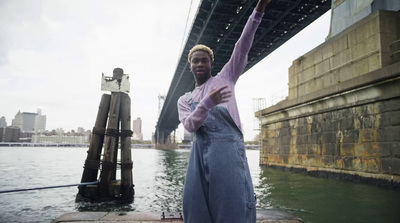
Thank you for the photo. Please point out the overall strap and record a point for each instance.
(189, 98)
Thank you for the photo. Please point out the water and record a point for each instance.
(159, 178)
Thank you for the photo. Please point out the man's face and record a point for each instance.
(201, 66)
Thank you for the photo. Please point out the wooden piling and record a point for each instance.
(108, 164)
(92, 162)
(115, 157)
(114, 112)
(127, 191)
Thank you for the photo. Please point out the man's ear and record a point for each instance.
(212, 64)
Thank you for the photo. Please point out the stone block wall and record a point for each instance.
(364, 47)
(356, 133)
(342, 114)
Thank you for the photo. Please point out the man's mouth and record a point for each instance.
(200, 72)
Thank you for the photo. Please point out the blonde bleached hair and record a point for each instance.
(201, 47)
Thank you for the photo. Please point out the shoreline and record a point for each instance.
(136, 146)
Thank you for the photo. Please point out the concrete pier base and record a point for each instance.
(263, 216)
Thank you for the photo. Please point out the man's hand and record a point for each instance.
(261, 5)
(219, 96)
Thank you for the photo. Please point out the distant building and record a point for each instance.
(25, 121)
(80, 131)
(137, 129)
(40, 121)
(9, 134)
(88, 136)
(30, 122)
(187, 137)
(58, 139)
(3, 122)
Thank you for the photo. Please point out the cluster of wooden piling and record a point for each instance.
(116, 109)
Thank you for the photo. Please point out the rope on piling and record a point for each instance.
(112, 132)
(126, 133)
(92, 164)
(98, 131)
(49, 187)
(127, 166)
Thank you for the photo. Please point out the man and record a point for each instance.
(218, 185)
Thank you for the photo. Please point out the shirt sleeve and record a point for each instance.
(238, 61)
(192, 121)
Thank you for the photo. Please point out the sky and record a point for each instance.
(53, 54)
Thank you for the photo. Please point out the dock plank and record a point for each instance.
(263, 216)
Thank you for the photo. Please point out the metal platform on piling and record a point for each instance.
(263, 216)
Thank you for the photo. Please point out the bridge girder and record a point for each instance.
(219, 23)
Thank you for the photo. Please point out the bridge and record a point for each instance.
(218, 24)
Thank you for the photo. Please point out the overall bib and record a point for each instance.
(218, 186)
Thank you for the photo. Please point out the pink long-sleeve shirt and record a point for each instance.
(228, 76)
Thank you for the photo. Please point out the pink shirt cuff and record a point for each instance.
(208, 102)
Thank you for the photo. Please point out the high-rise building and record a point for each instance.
(3, 122)
(9, 134)
(137, 129)
(40, 121)
(18, 120)
(30, 122)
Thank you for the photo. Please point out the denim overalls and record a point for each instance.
(218, 186)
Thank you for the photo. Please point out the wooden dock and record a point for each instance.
(263, 216)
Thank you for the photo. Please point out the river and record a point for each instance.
(159, 177)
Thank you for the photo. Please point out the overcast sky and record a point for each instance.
(53, 53)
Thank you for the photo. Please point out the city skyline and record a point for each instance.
(136, 123)
(41, 127)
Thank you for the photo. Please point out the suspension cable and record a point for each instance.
(187, 20)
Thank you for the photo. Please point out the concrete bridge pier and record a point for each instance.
(162, 137)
